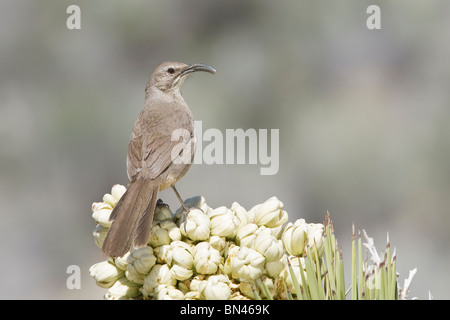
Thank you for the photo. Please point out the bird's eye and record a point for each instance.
(171, 70)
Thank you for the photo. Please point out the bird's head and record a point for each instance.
(169, 76)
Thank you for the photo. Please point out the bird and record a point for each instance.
(157, 158)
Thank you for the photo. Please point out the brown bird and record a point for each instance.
(155, 160)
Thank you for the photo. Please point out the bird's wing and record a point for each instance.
(152, 154)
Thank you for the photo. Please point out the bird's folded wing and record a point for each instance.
(152, 154)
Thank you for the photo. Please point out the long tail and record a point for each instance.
(132, 218)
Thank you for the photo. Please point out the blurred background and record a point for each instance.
(363, 118)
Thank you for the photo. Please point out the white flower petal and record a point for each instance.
(224, 222)
(248, 264)
(105, 273)
(271, 213)
(206, 258)
(217, 288)
(294, 237)
(196, 226)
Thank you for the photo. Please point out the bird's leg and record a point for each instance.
(185, 210)
(181, 200)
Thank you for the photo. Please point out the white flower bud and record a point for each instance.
(246, 235)
(139, 263)
(161, 253)
(181, 273)
(274, 268)
(193, 289)
(217, 288)
(121, 262)
(164, 292)
(162, 212)
(192, 295)
(269, 247)
(198, 284)
(277, 231)
(223, 222)
(192, 203)
(197, 225)
(99, 234)
(117, 192)
(105, 273)
(159, 274)
(230, 253)
(101, 212)
(240, 213)
(294, 237)
(315, 238)
(123, 289)
(270, 213)
(198, 202)
(206, 258)
(164, 232)
(218, 243)
(181, 260)
(250, 214)
(248, 264)
(109, 200)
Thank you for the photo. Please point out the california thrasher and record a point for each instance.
(154, 160)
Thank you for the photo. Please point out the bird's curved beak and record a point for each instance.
(197, 67)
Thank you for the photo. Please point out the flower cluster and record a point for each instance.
(216, 254)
